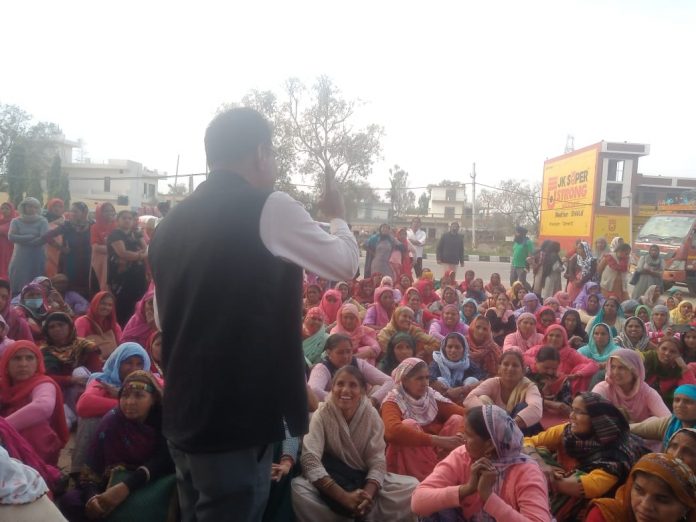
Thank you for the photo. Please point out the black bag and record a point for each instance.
(634, 278)
(348, 478)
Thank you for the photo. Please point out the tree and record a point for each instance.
(423, 203)
(13, 124)
(516, 200)
(402, 200)
(357, 194)
(16, 173)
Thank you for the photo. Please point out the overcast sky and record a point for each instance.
(498, 83)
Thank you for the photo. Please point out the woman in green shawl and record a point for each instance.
(314, 335)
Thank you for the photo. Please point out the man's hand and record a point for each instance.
(331, 203)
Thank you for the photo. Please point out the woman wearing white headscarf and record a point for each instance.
(26, 232)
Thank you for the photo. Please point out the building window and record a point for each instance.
(451, 195)
(107, 184)
(449, 212)
(647, 198)
(616, 171)
(151, 190)
(613, 197)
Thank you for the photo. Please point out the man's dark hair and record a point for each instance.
(234, 134)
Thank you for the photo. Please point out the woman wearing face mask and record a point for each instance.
(635, 336)
(665, 369)
(364, 339)
(31, 401)
(142, 323)
(33, 308)
(660, 487)
(448, 323)
(403, 321)
(526, 335)
(452, 373)
(420, 425)
(487, 478)
(512, 391)
(26, 232)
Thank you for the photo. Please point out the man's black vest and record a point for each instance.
(231, 315)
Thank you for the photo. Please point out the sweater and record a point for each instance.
(95, 401)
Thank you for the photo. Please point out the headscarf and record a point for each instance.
(678, 317)
(615, 243)
(629, 306)
(647, 309)
(623, 340)
(635, 400)
(331, 309)
(485, 354)
(314, 285)
(590, 349)
(675, 424)
(104, 323)
(389, 363)
(648, 298)
(518, 341)
(659, 309)
(423, 410)
(156, 368)
(13, 214)
(611, 447)
(581, 300)
(137, 328)
(421, 285)
(112, 366)
(39, 314)
(579, 330)
(313, 344)
(539, 326)
(563, 298)
(527, 300)
(73, 353)
(387, 281)
(359, 291)
(50, 216)
(599, 318)
(459, 327)
(452, 371)
(381, 315)
(16, 396)
(585, 264)
(672, 471)
(22, 210)
(359, 332)
(101, 228)
(512, 291)
(465, 319)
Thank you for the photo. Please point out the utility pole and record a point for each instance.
(473, 206)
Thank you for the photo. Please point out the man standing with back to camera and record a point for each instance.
(227, 264)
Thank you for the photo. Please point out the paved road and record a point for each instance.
(483, 269)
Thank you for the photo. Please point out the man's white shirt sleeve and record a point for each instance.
(288, 231)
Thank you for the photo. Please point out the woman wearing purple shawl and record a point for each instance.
(142, 324)
(590, 288)
(450, 322)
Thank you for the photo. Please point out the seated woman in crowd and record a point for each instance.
(683, 313)
(659, 487)
(682, 445)
(635, 336)
(600, 347)
(516, 294)
(512, 391)
(502, 318)
(399, 348)
(343, 464)
(364, 292)
(452, 373)
(625, 387)
(419, 423)
(448, 323)
(449, 297)
(525, 336)
(555, 305)
(554, 387)
(378, 315)
(17, 327)
(659, 326)
(75, 304)
(312, 296)
(487, 478)
(339, 353)
(577, 336)
(629, 307)
(588, 289)
(612, 315)
(427, 291)
(142, 323)
(643, 313)
(101, 394)
(99, 324)
(69, 359)
(577, 368)
(469, 276)
(591, 309)
(314, 335)
(402, 321)
(545, 317)
(665, 369)
(330, 303)
(530, 304)
(651, 296)
(364, 339)
(153, 347)
(404, 282)
(31, 401)
(494, 285)
(688, 347)
(33, 307)
(663, 429)
(470, 311)
(128, 437)
(482, 348)
(347, 298)
(586, 458)
(421, 315)
(476, 292)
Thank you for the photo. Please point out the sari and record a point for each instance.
(485, 353)
(377, 315)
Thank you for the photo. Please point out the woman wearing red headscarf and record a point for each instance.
(31, 401)
(7, 214)
(105, 216)
(330, 303)
(482, 348)
(100, 325)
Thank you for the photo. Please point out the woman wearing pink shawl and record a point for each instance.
(626, 388)
(380, 312)
(364, 339)
(526, 336)
(578, 368)
(141, 325)
(330, 303)
(450, 322)
(563, 299)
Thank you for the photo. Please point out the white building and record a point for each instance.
(447, 202)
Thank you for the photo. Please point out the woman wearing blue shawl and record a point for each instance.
(612, 315)
(599, 348)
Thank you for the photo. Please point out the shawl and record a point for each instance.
(359, 292)
(678, 316)
(614, 263)
(156, 368)
(50, 216)
(590, 349)
(313, 313)
(620, 316)
(37, 315)
(512, 292)
(359, 444)
(517, 340)
(585, 263)
(486, 354)
(389, 363)
(689, 390)
(581, 299)
(331, 308)
(624, 342)
(659, 309)
(359, 332)
(19, 483)
(405, 294)
(579, 330)
(459, 326)
(672, 471)
(313, 346)
(101, 228)
(643, 307)
(423, 284)
(466, 301)
(629, 306)
(528, 300)
(137, 328)
(381, 315)
(15, 396)
(103, 323)
(648, 298)
(72, 354)
(539, 326)
(611, 447)
(633, 402)
(408, 285)
(423, 410)
(22, 210)
(112, 365)
(13, 213)
(563, 298)
(452, 371)
(657, 372)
